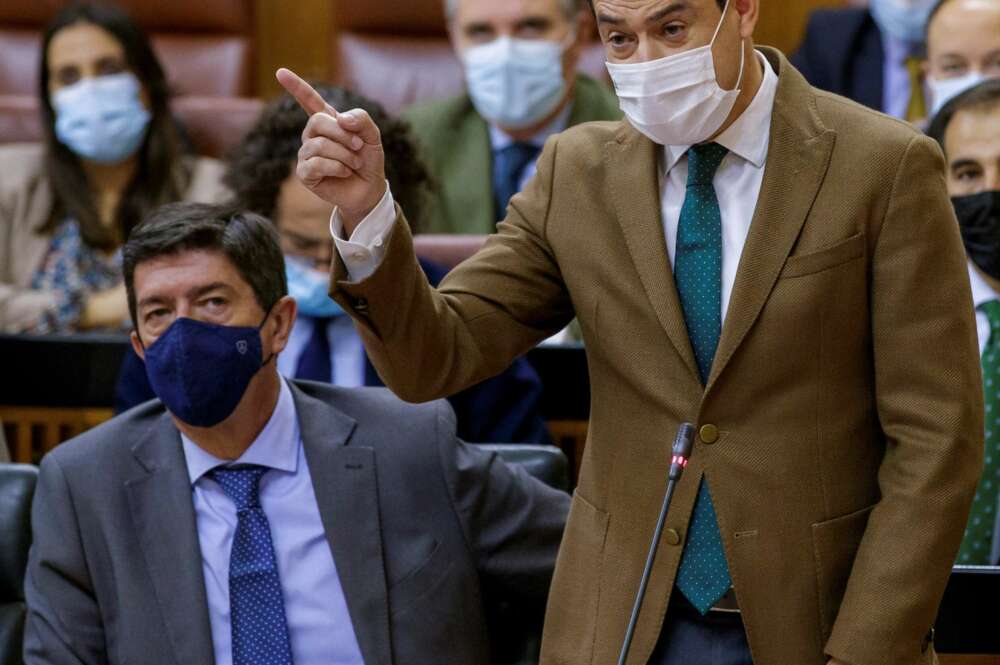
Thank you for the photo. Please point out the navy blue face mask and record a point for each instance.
(200, 371)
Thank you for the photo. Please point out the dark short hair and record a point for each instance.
(983, 97)
(248, 240)
(161, 175)
(721, 3)
(264, 159)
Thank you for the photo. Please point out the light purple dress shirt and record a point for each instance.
(318, 621)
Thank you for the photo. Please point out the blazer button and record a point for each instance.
(709, 434)
(672, 537)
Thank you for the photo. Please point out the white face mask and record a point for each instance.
(945, 90)
(515, 83)
(676, 100)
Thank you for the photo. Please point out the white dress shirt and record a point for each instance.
(737, 184)
(347, 351)
(319, 625)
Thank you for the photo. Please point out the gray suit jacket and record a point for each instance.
(418, 523)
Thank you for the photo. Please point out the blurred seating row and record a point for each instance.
(397, 53)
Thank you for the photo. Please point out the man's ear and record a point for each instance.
(749, 13)
(137, 345)
(281, 322)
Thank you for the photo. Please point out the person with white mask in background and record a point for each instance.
(963, 48)
(111, 153)
(774, 264)
(520, 61)
(873, 55)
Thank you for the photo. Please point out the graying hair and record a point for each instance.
(570, 7)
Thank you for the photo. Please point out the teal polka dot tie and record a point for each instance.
(704, 574)
(977, 544)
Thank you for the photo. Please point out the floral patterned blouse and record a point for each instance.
(73, 270)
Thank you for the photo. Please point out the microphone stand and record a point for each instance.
(681, 454)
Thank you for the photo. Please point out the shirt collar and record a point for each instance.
(750, 134)
(499, 139)
(982, 292)
(276, 447)
(897, 51)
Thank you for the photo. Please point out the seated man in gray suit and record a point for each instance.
(244, 519)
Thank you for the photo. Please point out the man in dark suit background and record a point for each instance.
(872, 55)
(249, 519)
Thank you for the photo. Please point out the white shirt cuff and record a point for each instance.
(365, 250)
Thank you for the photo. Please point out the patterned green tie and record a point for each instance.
(977, 545)
(704, 575)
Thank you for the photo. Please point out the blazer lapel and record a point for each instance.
(632, 168)
(468, 176)
(797, 161)
(347, 494)
(162, 510)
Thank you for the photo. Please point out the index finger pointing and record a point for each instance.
(307, 97)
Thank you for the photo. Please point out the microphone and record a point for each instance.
(678, 462)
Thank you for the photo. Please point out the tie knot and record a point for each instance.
(992, 311)
(517, 156)
(241, 484)
(703, 162)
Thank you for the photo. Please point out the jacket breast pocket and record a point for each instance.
(835, 545)
(800, 265)
(420, 581)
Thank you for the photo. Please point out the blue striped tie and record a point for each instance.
(704, 574)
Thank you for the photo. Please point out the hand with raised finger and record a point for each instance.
(341, 159)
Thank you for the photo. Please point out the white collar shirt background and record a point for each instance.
(347, 351)
(737, 182)
(499, 140)
(319, 625)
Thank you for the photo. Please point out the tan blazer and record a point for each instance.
(25, 207)
(845, 391)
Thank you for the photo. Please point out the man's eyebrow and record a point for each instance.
(657, 16)
(151, 300)
(198, 291)
(962, 162)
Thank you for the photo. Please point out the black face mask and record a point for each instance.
(979, 219)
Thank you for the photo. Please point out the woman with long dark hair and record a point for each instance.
(111, 153)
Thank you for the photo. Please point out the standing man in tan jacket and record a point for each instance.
(774, 263)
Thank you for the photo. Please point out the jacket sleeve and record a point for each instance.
(64, 625)
(930, 406)
(513, 523)
(427, 344)
(20, 308)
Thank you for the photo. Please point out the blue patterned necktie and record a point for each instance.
(508, 168)
(703, 576)
(977, 544)
(259, 626)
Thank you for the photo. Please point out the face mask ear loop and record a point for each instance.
(260, 327)
(722, 20)
(743, 55)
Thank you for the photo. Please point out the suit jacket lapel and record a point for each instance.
(797, 160)
(632, 168)
(162, 510)
(467, 174)
(347, 494)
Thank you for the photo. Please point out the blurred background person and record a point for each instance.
(111, 153)
(873, 55)
(968, 129)
(323, 345)
(520, 61)
(963, 47)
